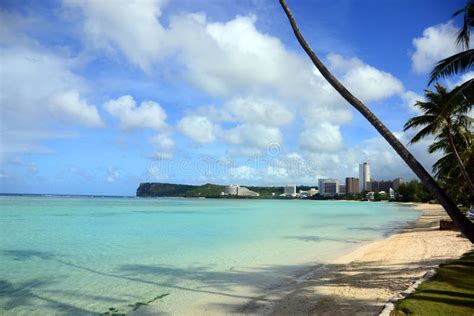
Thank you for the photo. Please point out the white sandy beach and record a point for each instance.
(361, 282)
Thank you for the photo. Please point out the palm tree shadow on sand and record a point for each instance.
(207, 281)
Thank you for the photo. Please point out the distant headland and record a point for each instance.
(209, 190)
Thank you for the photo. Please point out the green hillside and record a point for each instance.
(205, 190)
(179, 190)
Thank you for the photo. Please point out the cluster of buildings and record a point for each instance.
(359, 185)
(290, 191)
(330, 187)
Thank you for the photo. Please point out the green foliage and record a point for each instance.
(464, 33)
(455, 64)
(207, 190)
(446, 115)
(413, 191)
(179, 190)
(381, 197)
(449, 292)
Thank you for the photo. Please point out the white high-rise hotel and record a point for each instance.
(364, 176)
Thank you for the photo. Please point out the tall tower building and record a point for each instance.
(364, 176)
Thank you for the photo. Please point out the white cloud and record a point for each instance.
(437, 42)
(31, 103)
(325, 137)
(255, 137)
(243, 173)
(131, 26)
(148, 115)
(163, 145)
(199, 128)
(69, 107)
(365, 81)
(465, 77)
(410, 98)
(259, 111)
(263, 85)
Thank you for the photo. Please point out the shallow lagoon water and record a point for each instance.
(81, 255)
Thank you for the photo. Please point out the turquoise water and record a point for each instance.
(80, 255)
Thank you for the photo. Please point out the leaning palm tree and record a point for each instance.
(463, 61)
(443, 115)
(466, 227)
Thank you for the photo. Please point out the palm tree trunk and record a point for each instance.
(460, 163)
(466, 227)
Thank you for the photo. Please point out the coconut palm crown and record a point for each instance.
(461, 62)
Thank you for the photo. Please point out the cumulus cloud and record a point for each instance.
(31, 104)
(437, 42)
(259, 111)
(163, 146)
(199, 128)
(366, 82)
(263, 85)
(254, 138)
(410, 98)
(130, 26)
(148, 114)
(464, 77)
(308, 167)
(243, 173)
(325, 137)
(68, 106)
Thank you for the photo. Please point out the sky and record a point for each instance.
(97, 96)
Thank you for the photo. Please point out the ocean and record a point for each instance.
(91, 255)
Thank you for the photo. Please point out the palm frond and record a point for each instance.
(455, 64)
(440, 145)
(464, 92)
(428, 130)
(464, 33)
(421, 120)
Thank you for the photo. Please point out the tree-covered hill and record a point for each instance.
(152, 189)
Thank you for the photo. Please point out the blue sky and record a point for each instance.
(98, 96)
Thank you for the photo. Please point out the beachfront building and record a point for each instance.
(289, 190)
(385, 186)
(364, 176)
(303, 194)
(239, 191)
(352, 185)
(328, 186)
(391, 194)
(379, 186)
(231, 189)
(243, 191)
(313, 191)
(342, 189)
(397, 182)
